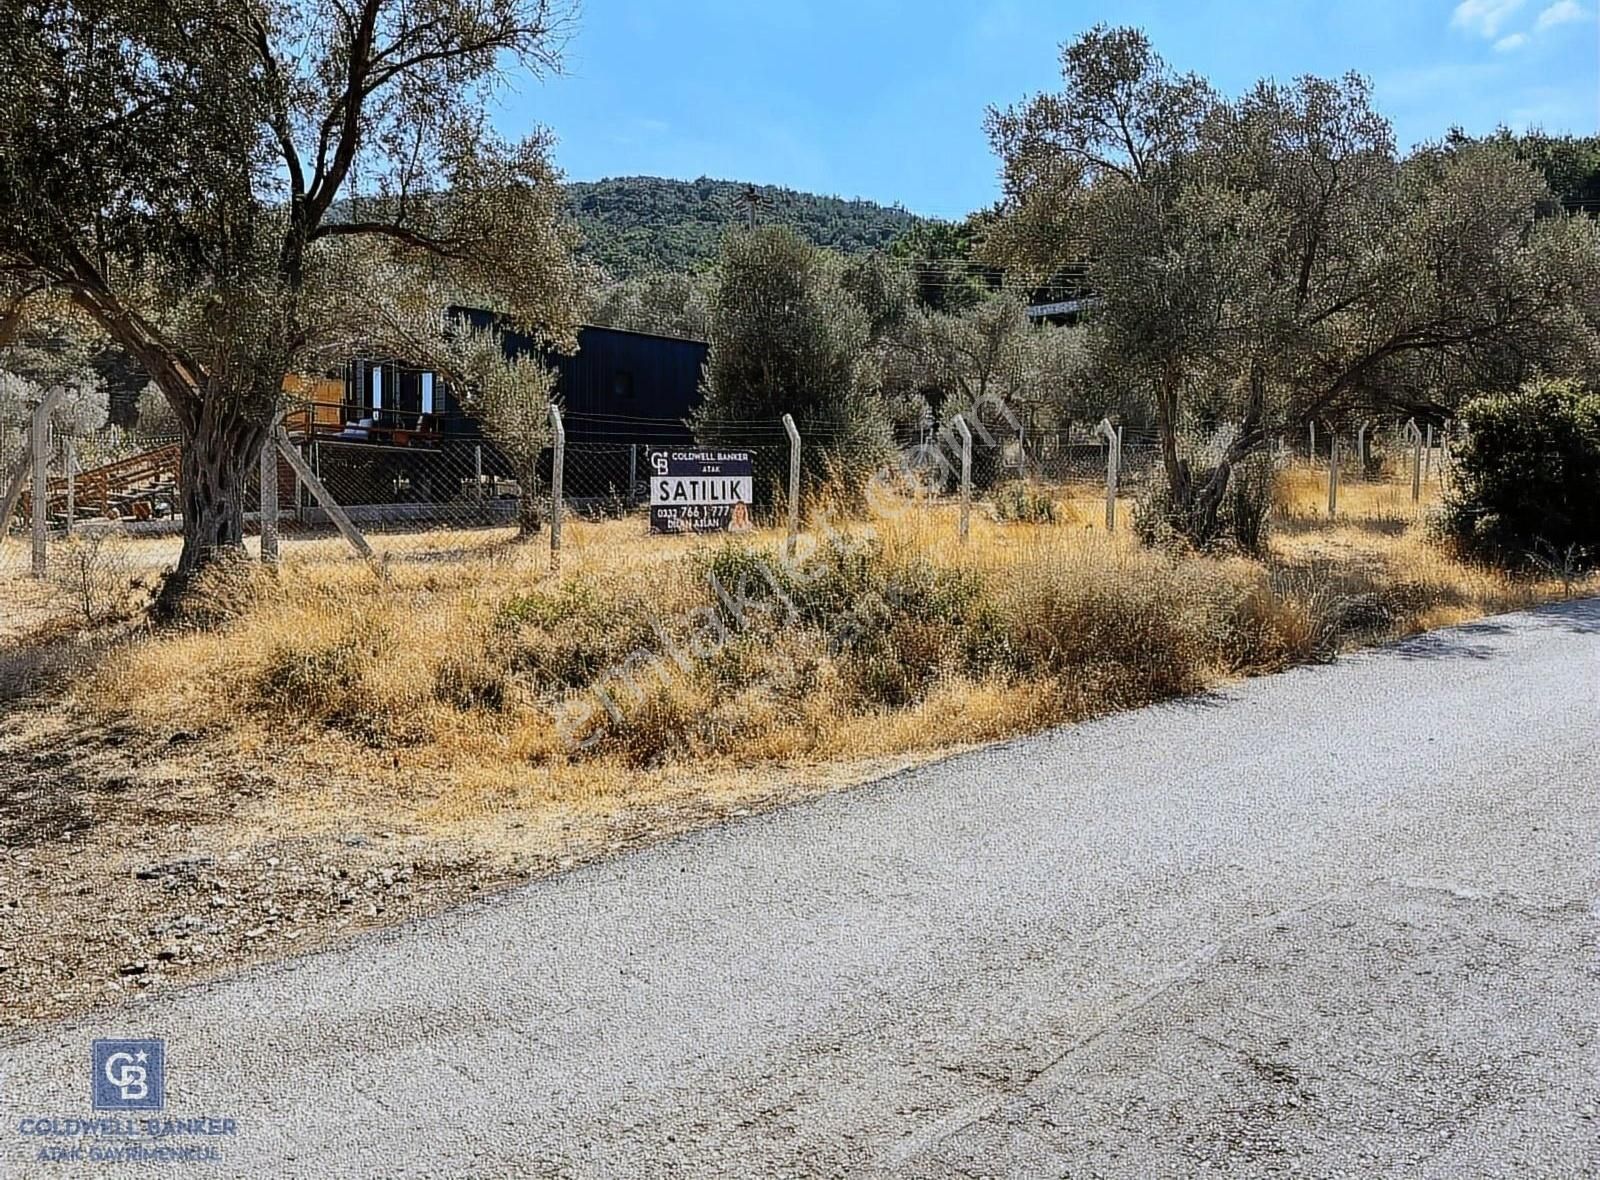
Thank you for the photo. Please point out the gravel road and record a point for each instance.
(1339, 922)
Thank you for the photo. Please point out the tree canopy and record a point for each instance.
(788, 337)
(234, 191)
(1270, 260)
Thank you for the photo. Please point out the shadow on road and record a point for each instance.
(1581, 616)
(1467, 641)
(1459, 643)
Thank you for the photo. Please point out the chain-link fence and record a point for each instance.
(109, 520)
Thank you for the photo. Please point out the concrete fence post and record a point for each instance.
(1333, 476)
(1113, 438)
(1313, 428)
(69, 463)
(558, 461)
(1413, 435)
(793, 432)
(312, 483)
(267, 479)
(40, 433)
(966, 474)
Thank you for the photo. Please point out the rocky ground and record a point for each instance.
(119, 875)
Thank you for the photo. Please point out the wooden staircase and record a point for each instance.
(132, 488)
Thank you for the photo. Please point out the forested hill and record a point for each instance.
(633, 224)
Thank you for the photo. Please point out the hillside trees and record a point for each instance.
(943, 259)
(1269, 261)
(638, 225)
(665, 303)
(232, 191)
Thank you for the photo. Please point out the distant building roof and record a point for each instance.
(1043, 311)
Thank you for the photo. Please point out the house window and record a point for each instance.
(407, 399)
(427, 393)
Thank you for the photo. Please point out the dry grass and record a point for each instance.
(470, 676)
(345, 725)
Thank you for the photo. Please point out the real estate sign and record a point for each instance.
(700, 491)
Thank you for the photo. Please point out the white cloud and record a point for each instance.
(1485, 17)
(1513, 42)
(1563, 12)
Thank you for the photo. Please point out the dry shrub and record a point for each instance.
(477, 675)
(1300, 489)
(89, 577)
(564, 637)
(361, 677)
(1283, 619)
(1118, 629)
(1020, 502)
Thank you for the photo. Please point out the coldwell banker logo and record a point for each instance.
(129, 1075)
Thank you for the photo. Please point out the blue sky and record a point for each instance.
(885, 98)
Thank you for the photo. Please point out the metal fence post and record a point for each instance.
(966, 474)
(794, 485)
(1363, 456)
(1333, 477)
(477, 473)
(1427, 456)
(1313, 427)
(558, 461)
(268, 481)
(633, 475)
(1113, 439)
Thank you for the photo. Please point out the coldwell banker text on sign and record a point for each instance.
(700, 491)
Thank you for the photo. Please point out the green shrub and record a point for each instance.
(894, 617)
(565, 637)
(1526, 483)
(1019, 503)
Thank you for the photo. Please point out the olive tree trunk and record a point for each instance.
(215, 460)
(1195, 499)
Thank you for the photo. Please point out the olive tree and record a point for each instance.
(153, 413)
(666, 303)
(511, 395)
(1269, 261)
(212, 182)
(787, 337)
